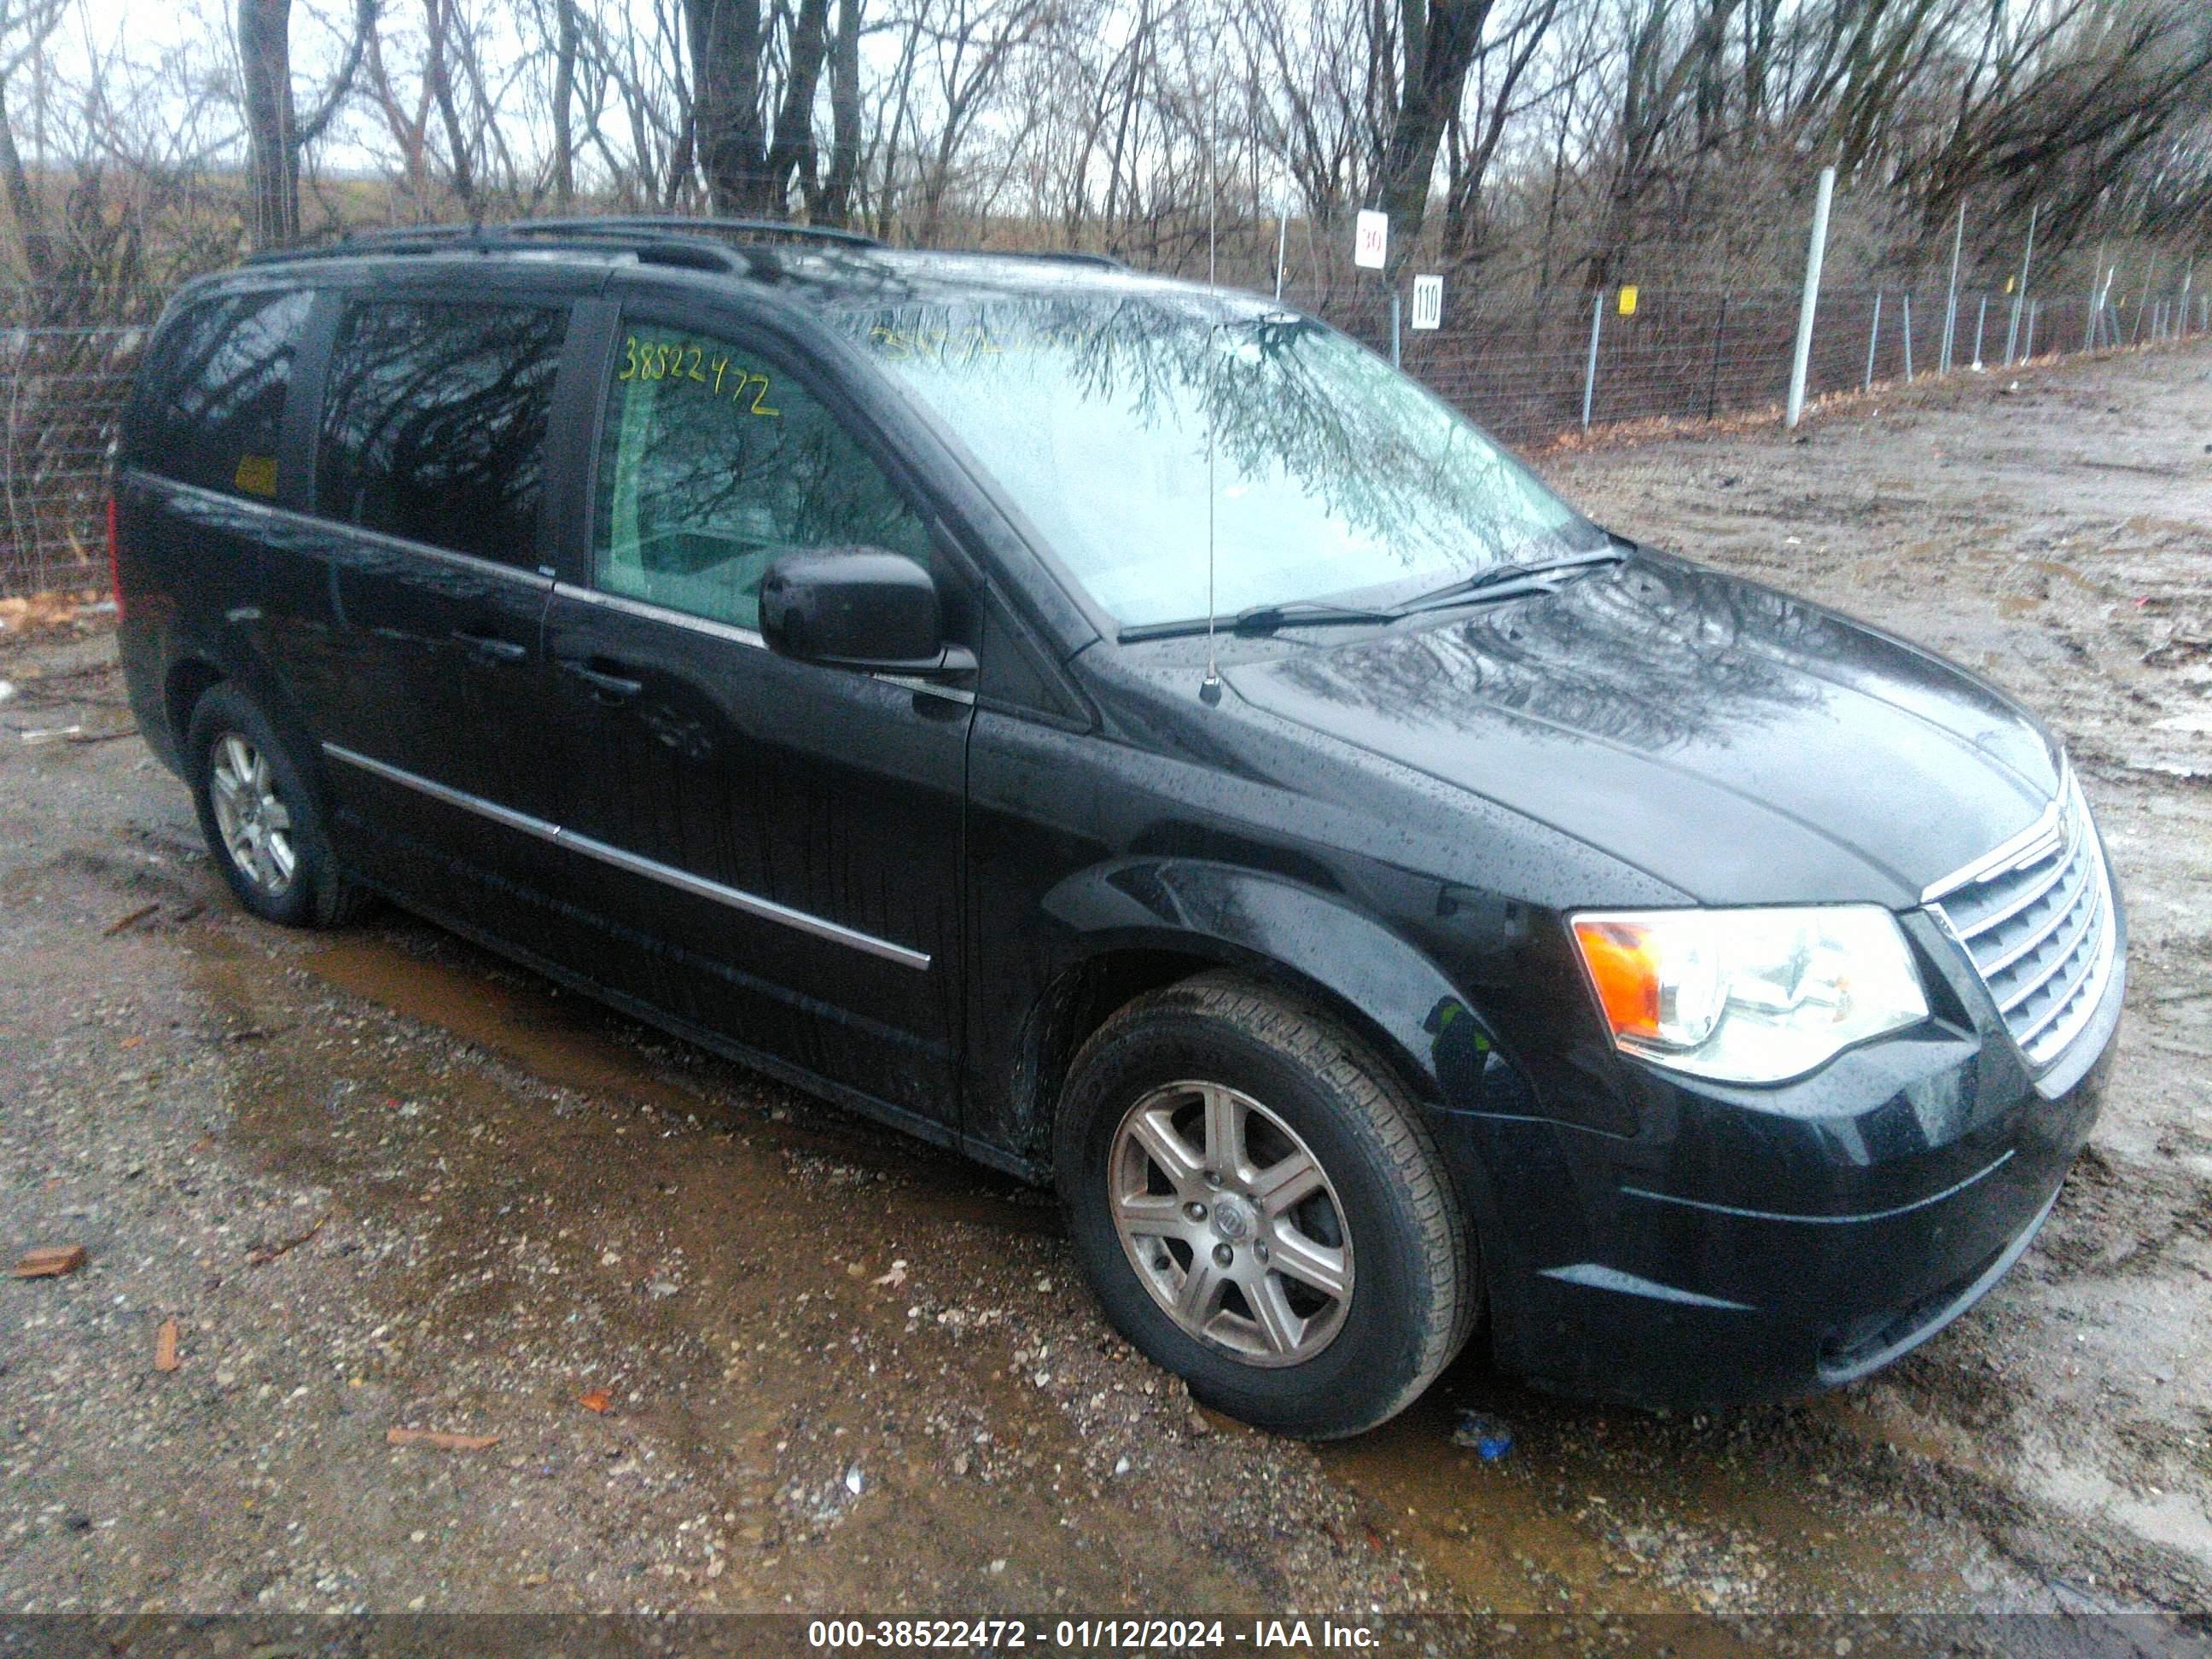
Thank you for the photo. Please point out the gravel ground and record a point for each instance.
(740, 1351)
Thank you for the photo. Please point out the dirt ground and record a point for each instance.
(740, 1351)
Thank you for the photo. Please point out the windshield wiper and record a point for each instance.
(1260, 619)
(1508, 579)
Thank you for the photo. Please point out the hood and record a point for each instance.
(1741, 745)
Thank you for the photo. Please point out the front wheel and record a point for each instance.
(1261, 1211)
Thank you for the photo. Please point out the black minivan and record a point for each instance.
(1129, 732)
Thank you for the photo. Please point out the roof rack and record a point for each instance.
(691, 253)
(683, 225)
(660, 240)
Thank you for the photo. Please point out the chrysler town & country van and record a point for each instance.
(1128, 732)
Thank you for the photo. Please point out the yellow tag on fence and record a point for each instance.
(1628, 300)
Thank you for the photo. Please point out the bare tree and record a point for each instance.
(275, 135)
(25, 26)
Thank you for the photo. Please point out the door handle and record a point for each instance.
(608, 688)
(491, 646)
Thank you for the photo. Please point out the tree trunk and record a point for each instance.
(265, 52)
(1440, 40)
(793, 143)
(836, 207)
(565, 47)
(23, 204)
(437, 70)
(725, 52)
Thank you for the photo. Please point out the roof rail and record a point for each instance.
(691, 253)
(660, 238)
(684, 225)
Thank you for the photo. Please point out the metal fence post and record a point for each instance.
(1980, 317)
(1589, 370)
(1397, 351)
(2020, 295)
(1873, 336)
(1713, 381)
(1908, 336)
(1951, 295)
(2028, 354)
(1814, 254)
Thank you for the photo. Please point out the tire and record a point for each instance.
(264, 825)
(1273, 1346)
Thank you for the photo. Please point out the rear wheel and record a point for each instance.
(262, 823)
(1261, 1209)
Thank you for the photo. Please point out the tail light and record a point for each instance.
(114, 559)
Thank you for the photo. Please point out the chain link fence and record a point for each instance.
(1533, 371)
(1530, 371)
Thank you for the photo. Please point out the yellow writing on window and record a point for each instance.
(677, 359)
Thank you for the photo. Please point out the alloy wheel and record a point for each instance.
(256, 824)
(1231, 1223)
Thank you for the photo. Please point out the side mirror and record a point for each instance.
(856, 607)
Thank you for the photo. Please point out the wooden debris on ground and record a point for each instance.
(440, 1438)
(262, 1254)
(50, 1261)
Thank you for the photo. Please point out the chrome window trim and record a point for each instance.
(649, 612)
(750, 904)
(535, 577)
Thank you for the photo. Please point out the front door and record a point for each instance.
(778, 845)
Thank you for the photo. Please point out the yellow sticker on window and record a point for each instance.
(256, 475)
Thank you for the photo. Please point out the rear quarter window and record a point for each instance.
(214, 397)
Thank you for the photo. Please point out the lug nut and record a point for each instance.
(1223, 1255)
(1259, 1250)
(1213, 1177)
(1194, 1210)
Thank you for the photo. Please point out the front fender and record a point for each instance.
(1383, 985)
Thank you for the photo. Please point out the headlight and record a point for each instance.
(1750, 996)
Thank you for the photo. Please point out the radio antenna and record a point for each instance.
(1209, 689)
(1212, 173)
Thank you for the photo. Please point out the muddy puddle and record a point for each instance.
(1592, 1509)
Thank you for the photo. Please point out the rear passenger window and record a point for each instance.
(434, 423)
(711, 463)
(217, 392)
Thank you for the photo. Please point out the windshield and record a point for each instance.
(1332, 477)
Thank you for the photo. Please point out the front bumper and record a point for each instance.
(1756, 1243)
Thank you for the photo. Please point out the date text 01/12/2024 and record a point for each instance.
(1091, 1635)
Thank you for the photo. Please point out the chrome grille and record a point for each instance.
(2036, 919)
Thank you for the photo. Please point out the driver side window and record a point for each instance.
(711, 463)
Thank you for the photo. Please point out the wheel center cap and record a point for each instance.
(1233, 1218)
